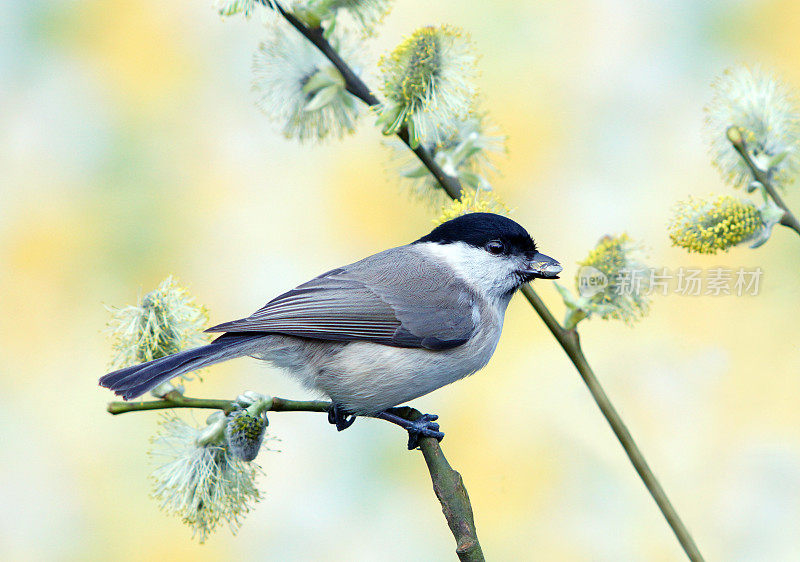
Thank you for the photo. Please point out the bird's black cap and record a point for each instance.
(478, 229)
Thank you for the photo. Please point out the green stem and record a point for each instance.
(357, 87)
(172, 399)
(763, 177)
(571, 344)
(175, 399)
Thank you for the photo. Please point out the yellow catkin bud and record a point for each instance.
(610, 255)
(706, 227)
(625, 296)
(428, 82)
(481, 201)
(412, 68)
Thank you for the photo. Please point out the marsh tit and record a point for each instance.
(384, 330)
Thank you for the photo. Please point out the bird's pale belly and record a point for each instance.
(366, 378)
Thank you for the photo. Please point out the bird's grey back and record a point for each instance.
(399, 297)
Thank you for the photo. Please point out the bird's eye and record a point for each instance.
(495, 247)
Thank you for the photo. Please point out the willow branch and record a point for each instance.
(763, 177)
(571, 344)
(447, 483)
(451, 493)
(357, 87)
(175, 399)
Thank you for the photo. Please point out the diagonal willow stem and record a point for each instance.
(763, 177)
(447, 483)
(571, 344)
(357, 87)
(568, 339)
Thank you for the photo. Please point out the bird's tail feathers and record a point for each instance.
(132, 382)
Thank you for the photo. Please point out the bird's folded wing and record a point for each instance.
(367, 302)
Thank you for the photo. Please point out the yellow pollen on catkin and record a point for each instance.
(625, 296)
(706, 227)
(480, 201)
(415, 63)
(610, 254)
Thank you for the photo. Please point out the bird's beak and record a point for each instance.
(543, 267)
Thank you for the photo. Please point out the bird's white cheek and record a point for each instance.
(491, 276)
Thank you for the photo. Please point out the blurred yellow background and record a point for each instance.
(132, 149)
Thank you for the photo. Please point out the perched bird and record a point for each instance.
(381, 331)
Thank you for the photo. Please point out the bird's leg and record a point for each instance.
(340, 417)
(425, 426)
